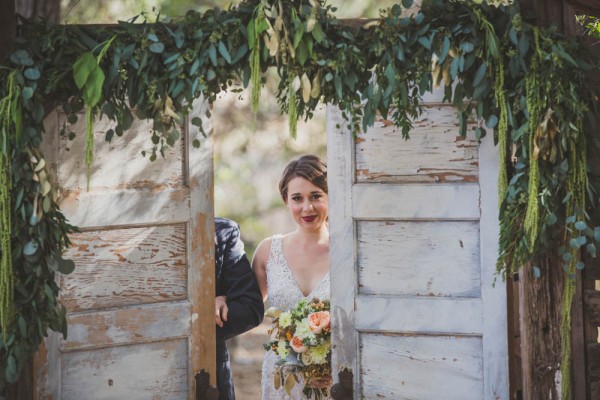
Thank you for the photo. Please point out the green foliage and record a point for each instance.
(525, 84)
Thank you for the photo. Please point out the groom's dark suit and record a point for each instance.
(235, 280)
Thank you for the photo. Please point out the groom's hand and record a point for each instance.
(221, 310)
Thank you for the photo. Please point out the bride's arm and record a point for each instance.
(259, 265)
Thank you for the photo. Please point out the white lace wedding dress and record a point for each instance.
(284, 293)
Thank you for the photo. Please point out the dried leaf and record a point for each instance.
(446, 74)
(277, 380)
(315, 90)
(305, 87)
(46, 187)
(311, 21)
(296, 84)
(40, 165)
(272, 42)
(290, 382)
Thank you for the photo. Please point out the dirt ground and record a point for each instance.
(246, 361)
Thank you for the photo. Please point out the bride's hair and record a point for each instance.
(309, 167)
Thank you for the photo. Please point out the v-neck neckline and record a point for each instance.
(289, 268)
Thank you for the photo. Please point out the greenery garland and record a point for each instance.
(525, 84)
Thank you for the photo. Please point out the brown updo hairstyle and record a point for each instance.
(309, 167)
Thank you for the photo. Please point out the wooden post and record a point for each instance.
(8, 25)
(540, 305)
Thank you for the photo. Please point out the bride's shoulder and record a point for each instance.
(262, 252)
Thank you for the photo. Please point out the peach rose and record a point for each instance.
(318, 321)
(297, 345)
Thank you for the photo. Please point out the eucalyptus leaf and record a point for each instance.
(12, 375)
(157, 47)
(224, 52)
(65, 266)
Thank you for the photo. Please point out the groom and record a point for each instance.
(238, 305)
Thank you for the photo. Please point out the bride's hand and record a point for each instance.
(321, 382)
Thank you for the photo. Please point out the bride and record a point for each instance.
(295, 266)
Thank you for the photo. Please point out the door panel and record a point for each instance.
(141, 299)
(414, 231)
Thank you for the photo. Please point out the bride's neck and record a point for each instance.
(316, 236)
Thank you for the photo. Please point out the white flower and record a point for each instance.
(285, 319)
(282, 351)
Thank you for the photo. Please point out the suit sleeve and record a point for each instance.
(238, 283)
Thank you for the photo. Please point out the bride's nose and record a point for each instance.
(308, 205)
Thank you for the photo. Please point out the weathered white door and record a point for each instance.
(413, 250)
(141, 297)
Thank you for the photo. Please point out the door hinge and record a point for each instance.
(204, 390)
(344, 389)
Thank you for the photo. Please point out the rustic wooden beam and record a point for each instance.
(540, 305)
(588, 7)
(8, 25)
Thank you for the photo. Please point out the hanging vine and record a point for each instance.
(525, 85)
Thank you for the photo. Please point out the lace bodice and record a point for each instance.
(283, 293)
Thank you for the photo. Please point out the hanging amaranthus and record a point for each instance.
(502, 131)
(293, 85)
(576, 185)
(256, 27)
(534, 107)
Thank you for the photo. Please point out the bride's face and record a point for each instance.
(307, 203)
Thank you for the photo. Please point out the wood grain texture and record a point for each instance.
(436, 315)
(141, 299)
(421, 258)
(591, 299)
(137, 372)
(493, 289)
(201, 250)
(435, 151)
(421, 367)
(127, 326)
(124, 267)
(120, 163)
(415, 201)
(341, 246)
(122, 207)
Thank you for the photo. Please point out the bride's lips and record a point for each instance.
(309, 219)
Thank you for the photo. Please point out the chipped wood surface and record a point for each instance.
(340, 179)
(419, 258)
(137, 302)
(413, 263)
(123, 207)
(123, 267)
(126, 326)
(426, 315)
(146, 371)
(423, 201)
(120, 163)
(435, 151)
(421, 367)
(201, 249)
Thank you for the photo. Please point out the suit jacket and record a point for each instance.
(233, 278)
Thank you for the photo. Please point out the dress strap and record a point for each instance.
(276, 249)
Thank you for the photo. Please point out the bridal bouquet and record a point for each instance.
(301, 338)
